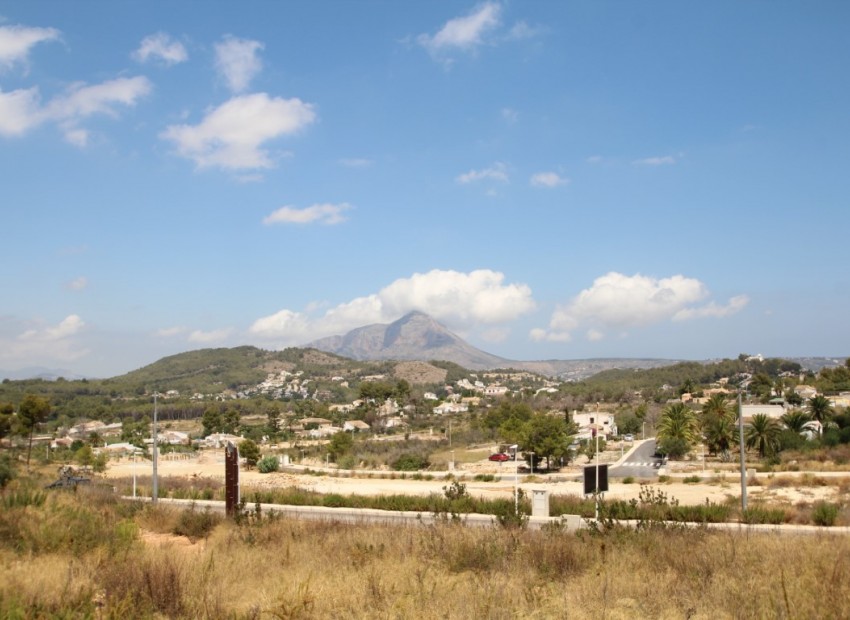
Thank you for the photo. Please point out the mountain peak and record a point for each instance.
(415, 336)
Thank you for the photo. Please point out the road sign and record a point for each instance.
(591, 484)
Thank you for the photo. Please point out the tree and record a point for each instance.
(820, 409)
(250, 451)
(762, 433)
(678, 422)
(718, 424)
(273, 417)
(211, 421)
(340, 444)
(797, 421)
(32, 412)
(230, 420)
(547, 437)
(7, 410)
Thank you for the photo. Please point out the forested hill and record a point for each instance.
(698, 373)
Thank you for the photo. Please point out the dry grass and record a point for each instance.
(281, 568)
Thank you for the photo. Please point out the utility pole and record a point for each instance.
(743, 454)
(155, 497)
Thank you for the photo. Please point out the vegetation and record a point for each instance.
(90, 555)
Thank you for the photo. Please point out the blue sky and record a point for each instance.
(548, 179)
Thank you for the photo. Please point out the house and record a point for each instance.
(394, 422)
(495, 390)
(805, 391)
(219, 440)
(355, 426)
(771, 411)
(450, 408)
(429, 396)
(588, 421)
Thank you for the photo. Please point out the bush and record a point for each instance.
(759, 514)
(250, 451)
(410, 462)
(195, 524)
(7, 470)
(691, 479)
(268, 464)
(825, 513)
(629, 480)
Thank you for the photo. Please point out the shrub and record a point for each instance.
(691, 479)
(825, 513)
(629, 480)
(268, 464)
(759, 514)
(410, 462)
(196, 524)
(7, 470)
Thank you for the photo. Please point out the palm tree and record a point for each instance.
(678, 422)
(797, 420)
(718, 424)
(762, 433)
(820, 409)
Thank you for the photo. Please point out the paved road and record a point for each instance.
(639, 464)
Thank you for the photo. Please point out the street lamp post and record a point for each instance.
(516, 479)
(155, 497)
(743, 453)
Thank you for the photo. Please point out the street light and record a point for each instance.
(516, 479)
(743, 465)
(155, 497)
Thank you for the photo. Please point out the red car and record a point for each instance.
(500, 457)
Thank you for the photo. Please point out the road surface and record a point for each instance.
(639, 464)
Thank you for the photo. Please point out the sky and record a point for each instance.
(549, 180)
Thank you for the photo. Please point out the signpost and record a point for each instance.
(231, 479)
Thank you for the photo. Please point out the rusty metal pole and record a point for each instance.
(231, 479)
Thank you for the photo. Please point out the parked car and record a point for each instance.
(629, 437)
(500, 457)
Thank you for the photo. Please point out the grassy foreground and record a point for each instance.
(89, 555)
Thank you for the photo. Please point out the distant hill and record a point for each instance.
(415, 336)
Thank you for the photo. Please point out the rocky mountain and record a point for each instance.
(415, 336)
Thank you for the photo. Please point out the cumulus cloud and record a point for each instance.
(617, 301)
(463, 33)
(207, 337)
(460, 300)
(21, 110)
(319, 213)
(548, 179)
(232, 135)
(161, 47)
(237, 62)
(17, 41)
(496, 172)
(43, 344)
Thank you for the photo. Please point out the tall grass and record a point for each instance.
(281, 568)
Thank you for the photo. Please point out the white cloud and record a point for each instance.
(170, 332)
(16, 42)
(237, 62)
(207, 337)
(78, 284)
(548, 179)
(21, 110)
(464, 33)
(594, 334)
(712, 310)
(496, 172)
(522, 30)
(161, 47)
(231, 135)
(319, 213)
(666, 160)
(44, 344)
(460, 300)
(594, 159)
(617, 301)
